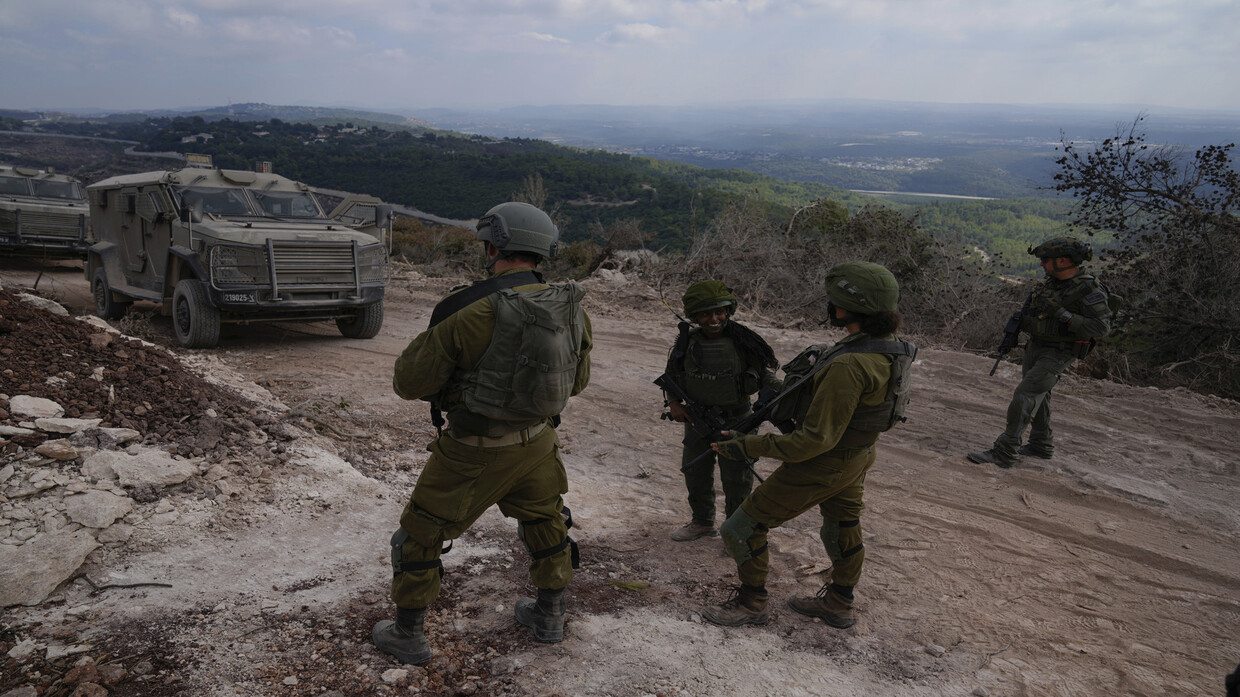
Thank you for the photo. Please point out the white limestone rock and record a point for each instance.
(97, 509)
(30, 572)
(35, 407)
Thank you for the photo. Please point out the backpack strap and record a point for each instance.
(459, 301)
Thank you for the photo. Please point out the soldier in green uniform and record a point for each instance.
(1064, 316)
(719, 364)
(838, 412)
(501, 358)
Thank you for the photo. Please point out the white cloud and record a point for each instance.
(548, 38)
(638, 32)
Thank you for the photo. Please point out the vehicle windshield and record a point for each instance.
(287, 204)
(14, 185)
(218, 200)
(49, 188)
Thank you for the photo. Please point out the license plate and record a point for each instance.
(238, 297)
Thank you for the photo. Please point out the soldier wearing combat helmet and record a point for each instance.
(719, 364)
(501, 358)
(840, 398)
(1063, 316)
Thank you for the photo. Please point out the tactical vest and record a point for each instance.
(1040, 321)
(715, 374)
(870, 419)
(527, 372)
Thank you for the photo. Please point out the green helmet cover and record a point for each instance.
(1069, 247)
(863, 287)
(708, 295)
(520, 227)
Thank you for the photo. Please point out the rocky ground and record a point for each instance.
(216, 523)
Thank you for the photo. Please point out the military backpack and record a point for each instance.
(870, 419)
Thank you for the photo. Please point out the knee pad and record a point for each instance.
(401, 565)
(543, 539)
(736, 531)
(842, 538)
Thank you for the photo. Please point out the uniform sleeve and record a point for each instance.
(429, 361)
(425, 365)
(583, 365)
(837, 392)
(1092, 318)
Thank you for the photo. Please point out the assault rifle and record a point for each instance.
(1011, 334)
(706, 421)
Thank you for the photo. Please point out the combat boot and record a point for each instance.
(827, 605)
(1029, 449)
(993, 457)
(693, 531)
(746, 606)
(404, 638)
(545, 616)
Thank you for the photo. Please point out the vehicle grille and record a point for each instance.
(63, 226)
(320, 265)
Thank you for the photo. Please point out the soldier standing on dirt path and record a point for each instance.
(1064, 316)
(501, 358)
(719, 364)
(858, 390)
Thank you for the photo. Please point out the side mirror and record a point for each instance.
(191, 208)
(383, 215)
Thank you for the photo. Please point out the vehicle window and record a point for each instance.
(14, 185)
(49, 188)
(218, 201)
(289, 204)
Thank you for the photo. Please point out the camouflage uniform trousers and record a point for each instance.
(1041, 367)
(735, 476)
(834, 482)
(459, 483)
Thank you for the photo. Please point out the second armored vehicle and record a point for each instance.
(217, 245)
(42, 214)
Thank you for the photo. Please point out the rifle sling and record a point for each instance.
(458, 301)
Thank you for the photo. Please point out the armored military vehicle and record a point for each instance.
(42, 214)
(220, 245)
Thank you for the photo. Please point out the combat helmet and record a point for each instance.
(863, 287)
(708, 295)
(1069, 247)
(519, 227)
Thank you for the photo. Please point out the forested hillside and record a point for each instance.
(460, 176)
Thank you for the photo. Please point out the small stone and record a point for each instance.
(395, 676)
(35, 407)
(22, 649)
(980, 691)
(81, 674)
(935, 650)
(44, 304)
(112, 674)
(50, 425)
(290, 680)
(24, 691)
(143, 668)
(59, 449)
(89, 689)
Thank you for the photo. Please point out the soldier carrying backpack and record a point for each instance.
(501, 358)
(857, 389)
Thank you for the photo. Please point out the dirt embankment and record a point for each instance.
(1111, 569)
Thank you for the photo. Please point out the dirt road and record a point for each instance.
(1112, 569)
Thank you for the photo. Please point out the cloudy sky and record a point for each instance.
(134, 54)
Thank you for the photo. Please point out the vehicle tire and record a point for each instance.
(196, 322)
(105, 306)
(363, 325)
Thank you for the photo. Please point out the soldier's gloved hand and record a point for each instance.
(731, 448)
(1063, 315)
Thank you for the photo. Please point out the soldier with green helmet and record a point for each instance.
(719, 363)
(846, 395)
(501, 358)
(1064, 316)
